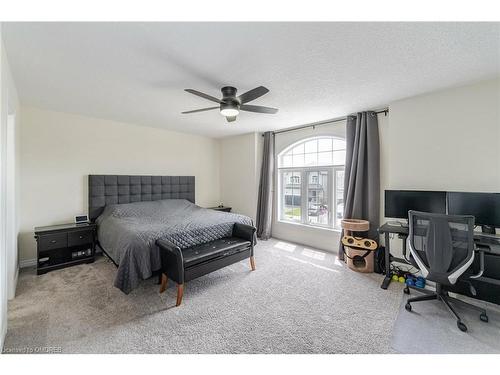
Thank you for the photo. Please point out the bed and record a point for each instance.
(132, 212)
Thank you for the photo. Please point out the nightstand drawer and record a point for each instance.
(53, 241)
(79, 238)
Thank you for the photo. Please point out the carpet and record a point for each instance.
(430, 328)
(299, 300)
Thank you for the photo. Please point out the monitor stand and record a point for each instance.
(488, 229)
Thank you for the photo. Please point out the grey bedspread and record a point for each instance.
(128, 233)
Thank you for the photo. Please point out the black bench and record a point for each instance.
(190, 263)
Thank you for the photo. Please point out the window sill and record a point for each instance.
(336, 230)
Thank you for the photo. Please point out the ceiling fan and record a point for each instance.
(230, 105)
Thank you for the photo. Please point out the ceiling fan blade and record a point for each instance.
(200, 110)
(253, 94)
(206, 96)
(258, 109)
(231, 118)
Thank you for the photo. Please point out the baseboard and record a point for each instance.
(27, 263)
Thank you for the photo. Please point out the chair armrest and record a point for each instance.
(172, 261)
(481, 264)
(244, 231)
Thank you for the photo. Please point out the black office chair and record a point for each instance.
(442, 247)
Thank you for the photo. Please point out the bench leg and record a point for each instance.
(252, 263)
(163, 284)
(180, 293)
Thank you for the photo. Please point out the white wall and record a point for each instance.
(240, 172)
(59, 150)
(446, 140)
(9, 183)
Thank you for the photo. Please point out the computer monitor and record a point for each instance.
(485, 207)
(399, 202)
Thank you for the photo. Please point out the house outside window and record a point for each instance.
(311, 182)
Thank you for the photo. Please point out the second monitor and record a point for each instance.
(399, 202)
(485, 207)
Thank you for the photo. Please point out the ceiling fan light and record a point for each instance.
(229, 112)
(230, 104)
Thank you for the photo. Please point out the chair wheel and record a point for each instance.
(484, 317)
(408, 306)
(462, 327)
(406, 290)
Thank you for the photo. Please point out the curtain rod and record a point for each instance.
(324, 122)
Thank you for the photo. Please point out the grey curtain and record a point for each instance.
(362, 171)
(265, 198)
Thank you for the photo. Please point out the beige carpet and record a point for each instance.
(299, 300)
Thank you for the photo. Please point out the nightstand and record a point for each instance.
(60, 246)
(223, 208)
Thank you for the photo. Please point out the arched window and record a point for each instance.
(311, 182)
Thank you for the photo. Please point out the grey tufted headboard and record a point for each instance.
(116, 189)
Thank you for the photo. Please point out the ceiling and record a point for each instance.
(136, 72)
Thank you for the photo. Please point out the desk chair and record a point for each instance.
(442, 247)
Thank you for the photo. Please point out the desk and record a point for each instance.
(489, 243)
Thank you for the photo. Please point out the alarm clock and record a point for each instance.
(81, 219)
